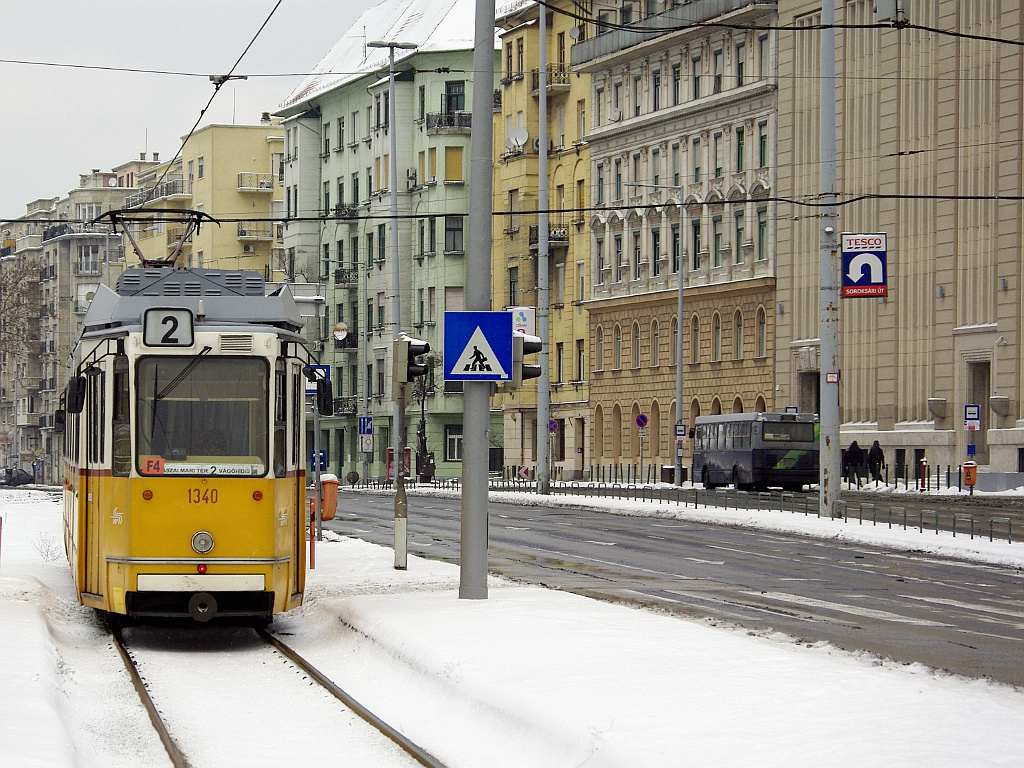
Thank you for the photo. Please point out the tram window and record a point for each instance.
(280, 420)
(96, 402)
(121, 457)
(197, 412)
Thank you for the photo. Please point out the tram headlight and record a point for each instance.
(202, 542)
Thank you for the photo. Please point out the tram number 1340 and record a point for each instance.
(202, 495)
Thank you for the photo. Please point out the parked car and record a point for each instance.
(16, 477)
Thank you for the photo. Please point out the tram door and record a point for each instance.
(90, 499)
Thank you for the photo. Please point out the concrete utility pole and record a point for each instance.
(543, 287)
(476, 396)
(830, 471)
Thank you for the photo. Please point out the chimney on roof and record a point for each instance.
(156, 157)
(265, 119)
(142, 156)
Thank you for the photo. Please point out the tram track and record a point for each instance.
(160, 713)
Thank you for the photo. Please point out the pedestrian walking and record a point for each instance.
(854, 461)
(876, 458)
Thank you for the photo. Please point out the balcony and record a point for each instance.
(347, 276)
(174, 235)
(449, 122)
(255, 230)
(557, 80)
(557, 236)
(346, 405)
(89, 267)
(346, 213)
(249, 181)
(166, 190)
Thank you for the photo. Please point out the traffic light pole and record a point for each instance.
(401, 502)
(476, 398)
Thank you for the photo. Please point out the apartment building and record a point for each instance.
(338, 160)
(929, 152)
(232, 173)
(516, 235)
(683, 176)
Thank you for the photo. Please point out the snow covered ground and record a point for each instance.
(528, 677)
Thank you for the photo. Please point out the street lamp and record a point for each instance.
(679, 324)
(398, 412)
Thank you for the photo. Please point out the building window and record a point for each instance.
(695, 242)
(327, 198)
(655, 342)
(676, 83)
(737, 335)
(716, 338)
(655, 252)
(695, 151)
(762, 333)
(599, 253)
(618, 259)
(201, 165)
(762, 234)
(513, 286)
(717, 157)
(738, 239)
(716, 60)
(763, 52)
(453, 164)
(696, 77)
(695, 340)
(453, 442)
(675, 248)
(381, 242)
(600, 349)
(716, 241)
(636, 345)
(739, 150)
(655, 167)
(656, 90)
(618, 179)
(453, 234)
(617, 350)
(741, 53)
(674, 355)
(581, 360)
(559, 360)
(762, 144)
(599, 193)
(636, 255)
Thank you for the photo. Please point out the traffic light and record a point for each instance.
(404, 367)
(524, 344)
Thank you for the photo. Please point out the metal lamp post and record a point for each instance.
(398, 417)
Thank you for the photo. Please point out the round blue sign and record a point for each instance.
(552, 426)
(641, 420)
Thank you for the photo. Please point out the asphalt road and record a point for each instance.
(967, 618)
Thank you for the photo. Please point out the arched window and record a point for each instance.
(762, 333)
(636, 345)
(716, 338)
(655, 344)
(618, 347)
(737, 335)
(695, 340)
(675, 341)
(600, 349)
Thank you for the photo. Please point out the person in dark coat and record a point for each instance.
(876, 458)
(854, 461)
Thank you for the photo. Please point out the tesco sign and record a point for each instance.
(863, 242)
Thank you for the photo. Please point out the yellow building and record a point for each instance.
(516, 235)
(232, 173)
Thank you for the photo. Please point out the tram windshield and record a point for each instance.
(202, 415)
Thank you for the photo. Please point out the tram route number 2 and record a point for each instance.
(202, 495)
(168, 327)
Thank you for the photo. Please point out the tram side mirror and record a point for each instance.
(60, 418)
(692, 432)
(76, 394)
(324, 397)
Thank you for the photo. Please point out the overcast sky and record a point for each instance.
(59, 122)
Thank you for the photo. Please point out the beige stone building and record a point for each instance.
(683, 171)
(233, 173)
(516, 236)
(929, 152)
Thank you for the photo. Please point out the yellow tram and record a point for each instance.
(184, 430)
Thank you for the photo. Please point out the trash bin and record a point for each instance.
(668, 473)
(329, 488)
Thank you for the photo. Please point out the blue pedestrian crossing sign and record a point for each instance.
(478, 346)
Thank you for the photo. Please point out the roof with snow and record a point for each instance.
(434, 25)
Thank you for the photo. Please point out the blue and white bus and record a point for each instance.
(755, 451)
